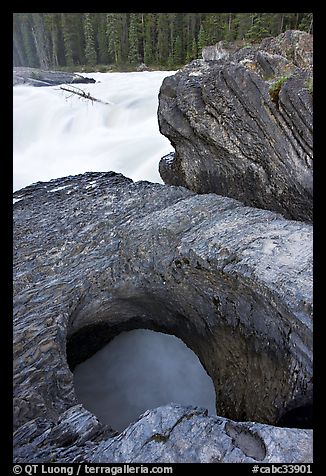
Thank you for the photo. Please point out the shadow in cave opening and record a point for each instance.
(92, 339)
(140, 370)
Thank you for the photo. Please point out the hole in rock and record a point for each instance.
(299, 417)
(140, 370)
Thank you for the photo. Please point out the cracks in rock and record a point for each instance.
(163, 437)
(297, 135)
(286, 127)
(257, 122)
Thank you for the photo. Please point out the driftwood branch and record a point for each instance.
(79, 92)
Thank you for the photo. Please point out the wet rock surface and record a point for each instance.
(37, 77)
(240, 121)
(97, 254)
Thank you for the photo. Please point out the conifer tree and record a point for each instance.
(101, 39)
(113, 39)
(177, 51)
(150, 31)
(258, 31)
(162, 38)
(90, 52)
(67, 39)
(202, 37)
(133, 55)
(169, 39)
(28, 40)
(194, 51)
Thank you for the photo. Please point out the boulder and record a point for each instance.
(142, 67)
(295, 45)
(96, 254)
(163, 435)
(241, 125)
(37, 77)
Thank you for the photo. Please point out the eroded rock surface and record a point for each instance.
(241, 124)
(170, 434)
(97, 254)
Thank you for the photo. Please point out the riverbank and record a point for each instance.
(113, 68)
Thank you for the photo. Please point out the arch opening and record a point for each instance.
(141, 370)
(251, 374)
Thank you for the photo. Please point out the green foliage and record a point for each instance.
(202, 37)
(90, 52)
(177, 51)
(35, 75)
(257, 31)
(54, 40)
(133, 55)
(306, 23)
(67, 38)
(276, 87)
(310, 85)
(162, 38)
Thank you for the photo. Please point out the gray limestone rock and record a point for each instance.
(170, 434)
(241, 125)
(97, 254)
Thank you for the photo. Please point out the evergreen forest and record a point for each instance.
(122, 40)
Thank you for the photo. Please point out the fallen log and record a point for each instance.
(83, 94)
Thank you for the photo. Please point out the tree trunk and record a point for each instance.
(282, 22)
(311, 24)
(18, 51)
(82, 94)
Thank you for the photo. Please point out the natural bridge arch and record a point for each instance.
(240, 337)
(101, 254)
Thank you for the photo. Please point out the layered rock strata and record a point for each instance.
(240, 121)
(97, 254)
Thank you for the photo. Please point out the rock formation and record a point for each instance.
(97, 254)
(37, 77)
(240, 121)
(163, 435)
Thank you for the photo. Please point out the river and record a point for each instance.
(57, 134)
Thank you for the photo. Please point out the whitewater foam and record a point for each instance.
(57, 134)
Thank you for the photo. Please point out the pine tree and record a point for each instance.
(90, 52)
(257, 31)
(124, 37)
(52, 25)
(113, 38)
(55, 39)
(163, 38)
(67, 39)
(306, 22)
(19, 54)
(177, 51)
(244, 22)
(194, 50)
(28, 40)
(101, 36)
(150, 33)
(202, 37)
(41, 40)
(133, 55)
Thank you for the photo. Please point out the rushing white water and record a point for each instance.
(56, 135)
(140, 370)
